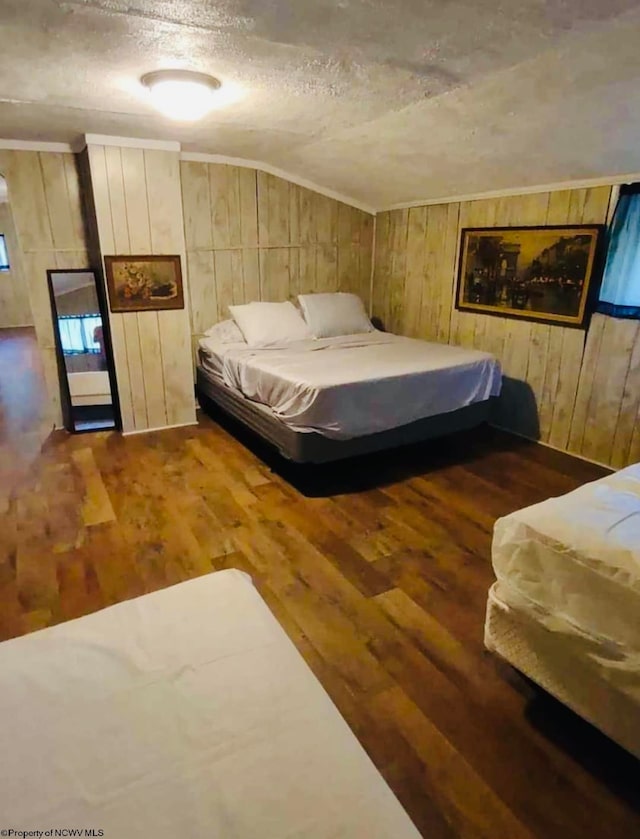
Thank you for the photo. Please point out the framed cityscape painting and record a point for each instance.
(534, 273)
(144, 283)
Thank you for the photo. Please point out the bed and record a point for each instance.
(186, 712)
(322, 399)
(564, 609)
(89, 388)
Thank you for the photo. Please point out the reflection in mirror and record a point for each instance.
(82, 344)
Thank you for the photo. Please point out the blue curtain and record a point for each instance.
(620, 290)
(77, 333)
(4, 256)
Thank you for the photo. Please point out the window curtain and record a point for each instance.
(4, 256)
(620, 290)
(77, 333)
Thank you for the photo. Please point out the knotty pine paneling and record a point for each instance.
(252, 236)
(44, 195)
(576, 391)
(138, 208)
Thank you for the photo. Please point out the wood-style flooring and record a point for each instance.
(378, 569)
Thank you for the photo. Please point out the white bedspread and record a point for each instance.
(568, 574)
(187, 712)
(577, 558)
(357, 384)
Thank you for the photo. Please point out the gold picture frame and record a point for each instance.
(541, 274)
(144, 283)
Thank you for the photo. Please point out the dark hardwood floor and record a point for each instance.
(23, 426)
(378, 569)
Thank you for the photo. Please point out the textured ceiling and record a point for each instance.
(387, 102)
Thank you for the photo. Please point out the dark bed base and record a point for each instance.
(310, 447)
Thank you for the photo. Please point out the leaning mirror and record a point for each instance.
(84, 358)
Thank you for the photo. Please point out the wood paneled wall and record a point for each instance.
(250, 235)
(606, 417)
(15, 309)
(44, 196)
(138, 210)
(253, 236)
(578, 393)
(80, 301)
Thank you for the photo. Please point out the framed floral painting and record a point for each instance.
(144, 283)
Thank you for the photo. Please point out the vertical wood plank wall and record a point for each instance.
(80, 301)
(253, 236)
(578, 393)
(250, 235)
(15, 309)
(138, 210)
(44, 196)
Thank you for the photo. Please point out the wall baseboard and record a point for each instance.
(551, 446)
(159, 428)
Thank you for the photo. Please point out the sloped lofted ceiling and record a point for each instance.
(386, 102)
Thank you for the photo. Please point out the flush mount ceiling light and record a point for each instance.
(182, 94)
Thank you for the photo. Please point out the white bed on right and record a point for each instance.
(565, 609)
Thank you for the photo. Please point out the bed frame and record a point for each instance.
(563, 670)
(311, 447)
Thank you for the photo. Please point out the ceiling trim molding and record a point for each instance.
(202, 157)
(130, 142)
(35, 145)
(585, 183)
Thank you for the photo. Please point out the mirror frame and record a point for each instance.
(65, 394)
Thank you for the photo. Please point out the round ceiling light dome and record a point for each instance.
(182, 94)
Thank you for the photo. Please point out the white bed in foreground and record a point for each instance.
(565, 609)
(355, 385)
(187, 712)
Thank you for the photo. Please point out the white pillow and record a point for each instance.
(225, 332)
(329, 315)
(269, 324)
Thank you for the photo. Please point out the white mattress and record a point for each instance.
(577, 558)
(568, 666)
(565, 606)
(355, 384)
(187, 712)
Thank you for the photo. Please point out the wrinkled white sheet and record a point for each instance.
(356, 384)
(574, 562)
(186, 712)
